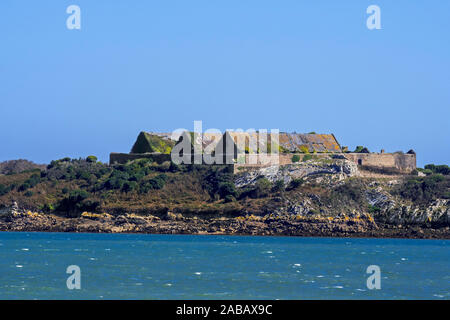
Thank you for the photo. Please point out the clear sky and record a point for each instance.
(159, 65)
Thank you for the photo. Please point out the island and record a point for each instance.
(291, 185)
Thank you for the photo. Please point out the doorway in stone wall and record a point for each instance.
(360, 162)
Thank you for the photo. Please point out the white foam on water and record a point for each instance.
(198, 273)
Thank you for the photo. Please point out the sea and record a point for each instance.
(142, 266)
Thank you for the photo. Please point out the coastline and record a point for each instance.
(241, 226)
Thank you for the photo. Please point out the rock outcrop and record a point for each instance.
(296, 224)
(336, 170)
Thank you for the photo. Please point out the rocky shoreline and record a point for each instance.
(14, 219)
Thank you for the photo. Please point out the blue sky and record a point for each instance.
(159, 65)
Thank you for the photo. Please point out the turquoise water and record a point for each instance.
(124, 266)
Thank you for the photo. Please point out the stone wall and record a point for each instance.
(256, 161)
(403, 163)
(400, 161)
(124, 157)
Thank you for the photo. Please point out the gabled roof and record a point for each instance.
(293, 142)
(148, 142)
(288, 142)
(314, 142)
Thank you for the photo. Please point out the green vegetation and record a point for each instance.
(155, 183)
(30, 183)
(361, 149)
(304, 149)
(77, 202)
(279, 186)
(3, 190)
(425, 189)
(295, 158)
(91, 159)
(71, 186)
(373, 209)
(262, 188)
(352, 191)
(295, 183)
(438, 169)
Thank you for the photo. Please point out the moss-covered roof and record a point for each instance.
(288, 142)
(147, 142)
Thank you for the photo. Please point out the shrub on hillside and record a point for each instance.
(352, 190)
(17, 166)
(24, 187)
(3, 189)
(262, 187)
(441, 169)
(295, 158)
(425, 189)
(77, 202)
(154, 183)
(295, 183)
(227, 188)
(278, 186)
(91, 159)
(129, 186)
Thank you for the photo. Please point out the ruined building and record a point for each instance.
(255, 149)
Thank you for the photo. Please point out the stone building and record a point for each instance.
(256, 149)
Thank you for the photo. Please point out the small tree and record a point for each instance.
(295, 158)
(129, 186)
(227, 189)
(91, 159)
(262, 187)
(279, 186)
